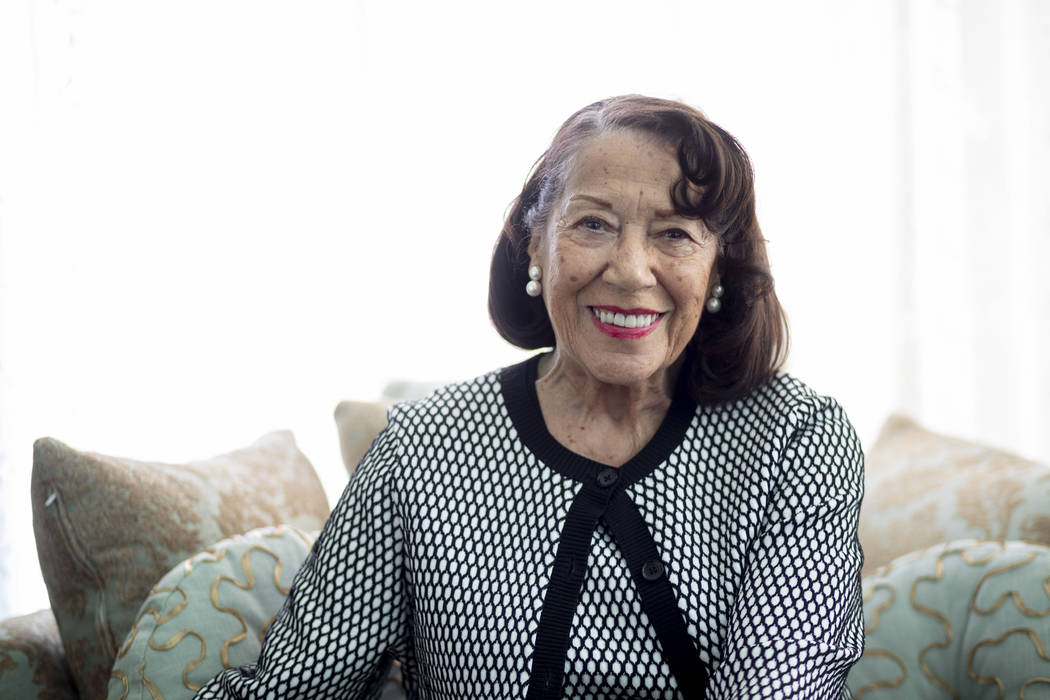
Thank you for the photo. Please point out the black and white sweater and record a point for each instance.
(495, 563)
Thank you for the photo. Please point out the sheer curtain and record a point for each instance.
(975, 218)
(219, 218)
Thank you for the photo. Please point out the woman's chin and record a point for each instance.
(627, 370)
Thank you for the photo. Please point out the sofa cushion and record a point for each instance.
(210, 613)
(964, 619)
(32, 664)
(108, 528)
(923, 488)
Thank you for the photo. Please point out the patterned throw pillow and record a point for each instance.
(32, 663)
(923, 488)
(108, 528)
(965, 619)
(210, 613)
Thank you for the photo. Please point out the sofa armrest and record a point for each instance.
(32, 660)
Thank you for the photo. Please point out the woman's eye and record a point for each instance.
(592, 224)
(675, 234)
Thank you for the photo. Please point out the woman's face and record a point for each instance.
(624, 277)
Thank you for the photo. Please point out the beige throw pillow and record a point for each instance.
(923, 488)
(358, 423)
(108, 528)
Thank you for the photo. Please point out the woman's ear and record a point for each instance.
(713, 279)
(535, 241)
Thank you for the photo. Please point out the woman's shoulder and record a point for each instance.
(819, 438)
(786, 409)
(463, 400)
(789, 397)
(448, 413)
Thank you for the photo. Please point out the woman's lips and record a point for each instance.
(625, 323)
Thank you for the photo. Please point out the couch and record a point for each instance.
(159, 575)
(956, 581)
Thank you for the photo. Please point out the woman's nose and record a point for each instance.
(631, 266)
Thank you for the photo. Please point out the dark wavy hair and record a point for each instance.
(732, 351)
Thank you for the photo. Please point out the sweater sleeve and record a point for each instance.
(346, 616)
(797, 624)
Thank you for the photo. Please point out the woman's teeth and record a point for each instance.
(625, 320)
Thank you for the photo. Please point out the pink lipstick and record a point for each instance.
(630, 324)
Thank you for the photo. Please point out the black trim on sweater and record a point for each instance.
(602, 497)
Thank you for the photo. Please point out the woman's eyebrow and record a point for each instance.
(595, 200)
(659, 213)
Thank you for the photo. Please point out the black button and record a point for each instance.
(607, 477)
(652, 570)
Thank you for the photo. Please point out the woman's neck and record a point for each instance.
(609, 423)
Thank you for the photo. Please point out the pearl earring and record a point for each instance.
(533, 288)
(715, 303)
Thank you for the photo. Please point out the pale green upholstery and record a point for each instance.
(208, 613)
(964, 619)
(32, 660)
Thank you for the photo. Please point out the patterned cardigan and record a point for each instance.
(721, 561)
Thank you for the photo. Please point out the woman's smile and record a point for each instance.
(625, 323)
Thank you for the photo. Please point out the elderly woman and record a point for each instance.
(648, 510)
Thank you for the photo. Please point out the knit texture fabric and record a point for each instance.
(455, 548)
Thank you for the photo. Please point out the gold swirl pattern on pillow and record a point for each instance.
(208, 613)
(964, 619)
(923, 488)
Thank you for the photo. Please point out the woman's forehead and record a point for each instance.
(617, 166)
(625, 152)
